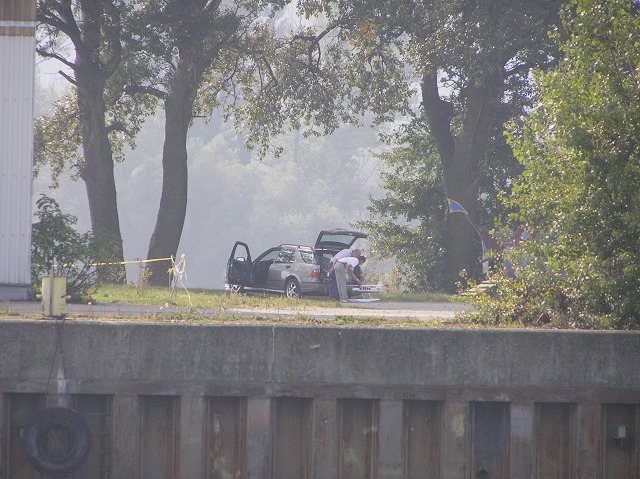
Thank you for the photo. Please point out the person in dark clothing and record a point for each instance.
(357, 271)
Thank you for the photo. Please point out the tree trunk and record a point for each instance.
(93, 26)
(97, 174)
(173, 202)
(460, 157)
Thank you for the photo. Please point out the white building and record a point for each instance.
(17, 50)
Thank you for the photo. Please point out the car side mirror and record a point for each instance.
(241, 259)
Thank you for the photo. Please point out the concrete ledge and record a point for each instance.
(320, 361)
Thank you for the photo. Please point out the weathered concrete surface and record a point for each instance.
(376, 400)
(360, 362)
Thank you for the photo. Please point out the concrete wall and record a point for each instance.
(294, 401)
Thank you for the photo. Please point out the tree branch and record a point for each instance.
(56, 56)
(146, 90)
(439, 113)
(112, 35)
(67, 77)
(118, 126)
(48, 18)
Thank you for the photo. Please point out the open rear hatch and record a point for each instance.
(337, 239)
(329, 242)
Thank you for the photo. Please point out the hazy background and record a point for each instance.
(317, 183)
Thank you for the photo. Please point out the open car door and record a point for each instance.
(239, 267)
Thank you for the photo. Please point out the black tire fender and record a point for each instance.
(57, 440)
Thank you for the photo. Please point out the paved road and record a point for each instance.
(389, 310)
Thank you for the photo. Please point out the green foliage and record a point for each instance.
(579, 192)
(59, 134)
(57, 139)
(407, 223)
(472, 61)
(57, 248)
(333, 67)
(537, 297)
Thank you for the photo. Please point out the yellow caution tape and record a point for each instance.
(170, 258)
(134, 261)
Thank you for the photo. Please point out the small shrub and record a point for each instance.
(58, 249)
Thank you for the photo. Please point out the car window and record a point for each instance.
(241, 253)
(337, 239)
(287, 255)
(270, 255)
(308, 257)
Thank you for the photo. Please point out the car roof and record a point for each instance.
(286, 245)
(338, 238)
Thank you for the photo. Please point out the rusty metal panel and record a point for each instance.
(224, 437)
(423, 426)
(20, 409)
(554, 440)
(358, 438)
(96, 411)
(588, 442)
(291, 453)
(325, 426)
(259, 455)
(391, 439)
(490, 440)
(521, 441)
(620, 441)
(158, 437)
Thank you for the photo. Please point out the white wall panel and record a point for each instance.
(17, 52)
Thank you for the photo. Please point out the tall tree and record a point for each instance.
(199, 48)
(483, 52)
(469, 59)
(93, 27)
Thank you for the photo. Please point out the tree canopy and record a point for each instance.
(578, 196)
(470, 63)
(87, 39)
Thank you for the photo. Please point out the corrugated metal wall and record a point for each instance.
(17, 50)
(291, 436)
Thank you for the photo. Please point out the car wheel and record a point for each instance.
(236, 288)
(292, 288)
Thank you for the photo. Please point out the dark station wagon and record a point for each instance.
(293, 270)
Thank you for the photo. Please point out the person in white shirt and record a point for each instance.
(344, 271)
(345, 253)
(333, 286)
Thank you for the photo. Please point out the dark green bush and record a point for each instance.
(57, 248)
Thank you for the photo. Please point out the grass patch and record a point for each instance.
(419, 297)
(205, 306)
(198, 298)
(221, 299)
